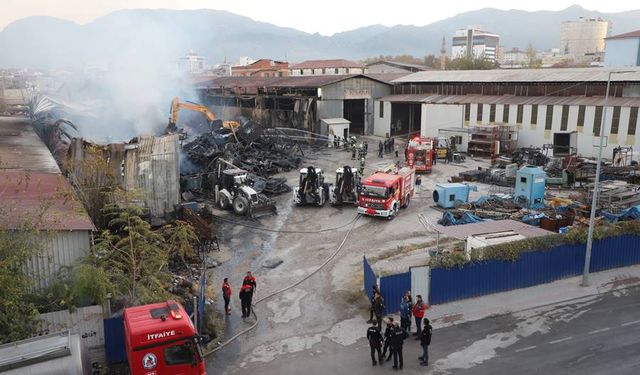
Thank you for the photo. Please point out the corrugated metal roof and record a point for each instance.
(316, 64)
(47, 197)
(400, 64)
(522, 75)
(486, 227)
(511, 99)
(310, 82)
(386, 77)
(632, 34)
(22, 149)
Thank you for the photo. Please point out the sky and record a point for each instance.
(329, 17)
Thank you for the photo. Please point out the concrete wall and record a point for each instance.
(382, 125)
(439, 116)
(622, 52)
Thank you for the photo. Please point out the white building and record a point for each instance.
(623, 50)
(584, 38)
(474, 41)
(245, 60)
(326, 67)
(541, 102)
(514, 58)
(192, 63)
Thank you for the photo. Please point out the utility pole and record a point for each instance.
(594, 199)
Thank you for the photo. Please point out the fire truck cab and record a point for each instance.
(383, 194)
(419, 154)
(161, 339)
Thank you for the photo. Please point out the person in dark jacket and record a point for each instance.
(388, 332)
(425, 341)
(374, 290)
(398, 335)
(246, 295)
(380, 149)
(226, 294)
(378, 308)
(375, 342)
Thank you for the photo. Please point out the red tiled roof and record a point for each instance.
(316, 64)
(42, 200)
(632, 34)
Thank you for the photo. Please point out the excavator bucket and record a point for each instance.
(264, 207)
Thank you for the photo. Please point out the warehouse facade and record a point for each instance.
(540, 102)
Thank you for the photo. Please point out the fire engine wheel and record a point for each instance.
(224, 202)
(407, 201)
(394, 213)
(240, 205)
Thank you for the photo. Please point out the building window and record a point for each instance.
(279, 74)
(597, 121)
(492, 113)
(581, 110)
(548, 122)
(301, 72)
(505, 113)
(479, 113)
(633, 121)
(335, 71)
(324, 71)
(564, 121)
(381, 109)
(519, 113)
(615, 121)
(534, 114)
(347, 70)
(467, 110)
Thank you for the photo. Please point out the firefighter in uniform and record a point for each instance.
(375, 342)
(246, 296)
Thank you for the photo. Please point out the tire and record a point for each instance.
(407, 201)
(394, 213)
(224, 202)
(240, 205)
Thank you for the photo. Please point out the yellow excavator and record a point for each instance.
(177, 105)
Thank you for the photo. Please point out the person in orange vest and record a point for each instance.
(250, 279)
(226, 294)
(418, 312)
(246, 296)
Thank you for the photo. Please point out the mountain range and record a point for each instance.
(146, 36)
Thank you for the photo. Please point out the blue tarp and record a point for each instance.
(533, 218)
(631, 213)
(467, 218)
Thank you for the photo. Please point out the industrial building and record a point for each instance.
(584, 38)
(299, 102)
(326, 67)
(34, 195)
(383, 66)
(538, 102)
(473, 41)
(262, 68)
(623, 50)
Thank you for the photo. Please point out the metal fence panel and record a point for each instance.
(370, 277)
(392, 289)
(114, 348)
(615, 252)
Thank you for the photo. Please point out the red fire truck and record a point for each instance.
(161, 339)
(383, 194)
(419, 153)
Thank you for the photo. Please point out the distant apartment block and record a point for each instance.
(326, 67)
(192, 63)
(245, 60)
(262, 68)
(473, 41)
(515, 58)
(623, 50)
(584, 38)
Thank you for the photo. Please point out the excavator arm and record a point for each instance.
(177, 105)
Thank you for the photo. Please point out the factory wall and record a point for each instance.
(382, 123)
(439, 116)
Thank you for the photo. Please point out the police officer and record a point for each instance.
(388, 332)
(397, 339)
(375, 342)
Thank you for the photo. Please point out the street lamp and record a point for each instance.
(594, 199)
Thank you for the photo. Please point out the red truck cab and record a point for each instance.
(383, 194)
(161, 339)
(419, 154)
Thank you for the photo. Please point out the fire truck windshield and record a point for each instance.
(180, 354)
(374, 191)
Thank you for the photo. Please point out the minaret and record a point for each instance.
(443, 54)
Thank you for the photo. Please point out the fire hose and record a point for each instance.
(291, 286)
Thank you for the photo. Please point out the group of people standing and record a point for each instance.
(246, 294)
(394, 333)
(387, 146)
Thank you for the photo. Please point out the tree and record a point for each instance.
(133, 255)
(18, 314)
(532, 61)
(180, 238)
(471, 63)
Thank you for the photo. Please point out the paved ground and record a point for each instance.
(591, 335)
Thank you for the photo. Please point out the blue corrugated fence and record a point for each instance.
(370, 277)
(392, 288)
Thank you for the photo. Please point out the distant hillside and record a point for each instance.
(148, 36)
